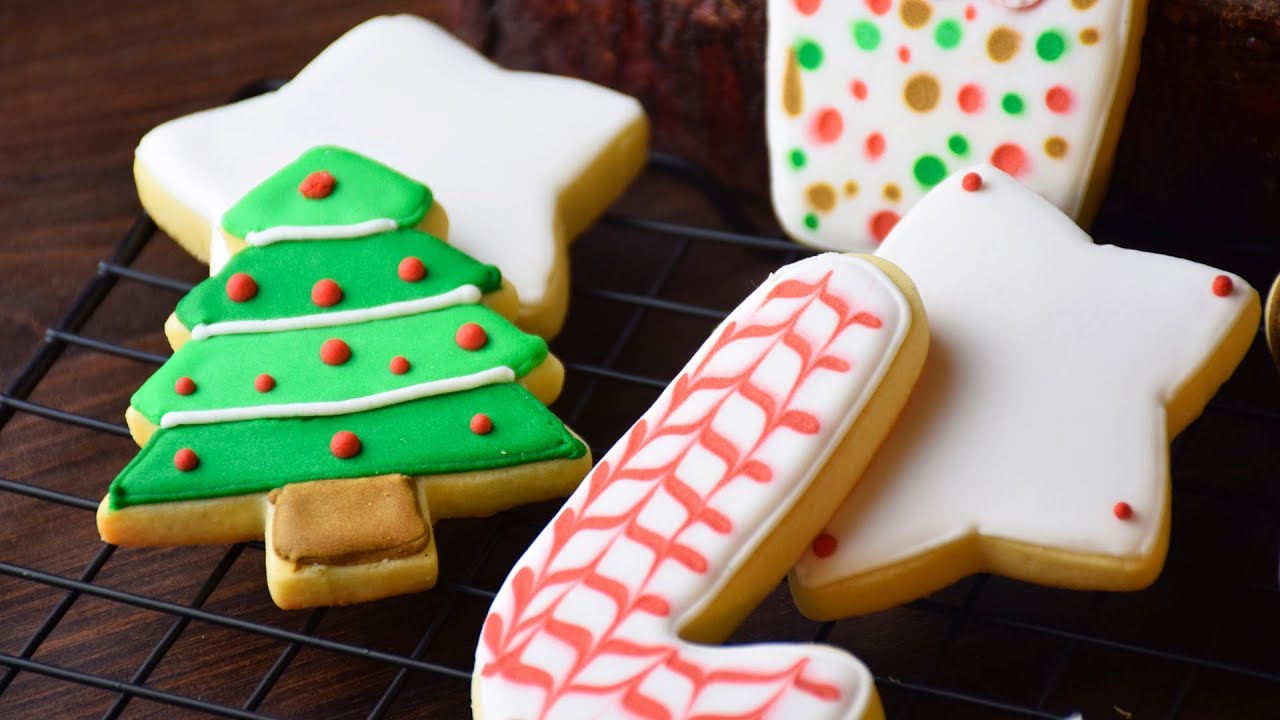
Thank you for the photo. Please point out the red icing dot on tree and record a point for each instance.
(1058, 99)
(826, 126)
(1123, 510)
(334, 352)
(264, 383)
(972, 182)
(184, 386)
(411, 269)
(859, 89)
(481, 424)
(241, 287)
(318, 185)
(824, 545)
(326, 293)
(399, 365)
(1222, 286)
(879, 7)
(970, 99)
(970, 12)
(344, 444)
(904, 53)
(875, 145)
(881, 223)
(186, 460)
(1010, 158)
(808, 7)
(471, 336)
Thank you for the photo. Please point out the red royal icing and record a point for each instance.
(1222, 286)
(904, 53)
(186, 460)
(344, 444)
(326, 293)
(334, 352)
(1058, 99)
(471, 336)
(318, 185)
(881, 223)
(241, 287)
(411, 269)
(184, 386)
(808, 7)
(875, 145)
(1123, 510)
(399, 365)
(879, 7)
(481, 424)
(970, 99)
(824, 545)
(971, 182)
(826, 126)
(1010, 158)
(970, 12)
(264, 383)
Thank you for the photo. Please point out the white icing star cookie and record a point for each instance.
(870, 103)
(1035, 444)
(523, 161)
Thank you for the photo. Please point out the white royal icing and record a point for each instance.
(281, 233)
(497, 147)
(586, 624)
(461, 295)
(444, 386)
(1042, 401)
(862, 140)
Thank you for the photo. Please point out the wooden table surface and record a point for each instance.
(81, 82)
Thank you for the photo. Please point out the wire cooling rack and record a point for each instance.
(1205, 639)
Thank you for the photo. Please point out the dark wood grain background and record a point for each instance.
(81, 82)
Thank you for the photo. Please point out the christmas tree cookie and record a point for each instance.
(869, 104)
(340, 384)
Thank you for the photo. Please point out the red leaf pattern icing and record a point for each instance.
(586, 624)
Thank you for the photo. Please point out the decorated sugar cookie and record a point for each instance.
(524, 161)
(1036, 442)
(342, 383)
(694, 516)
(871, 103)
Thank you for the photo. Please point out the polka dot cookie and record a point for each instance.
(870, 103)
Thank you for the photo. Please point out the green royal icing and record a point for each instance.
(1051, 45)
(224, 366)
(866, 35)
(948, 34)
(365, 190)
(365, 268)
(1012, 103)
(808, 54)
(423, 437)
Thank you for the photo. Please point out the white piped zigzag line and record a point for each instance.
(444, 386)
(463, 294)
(281, 233)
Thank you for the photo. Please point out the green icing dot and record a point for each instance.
(866, 34)
(797, 158)
(948, 34)
(958, 144)
(1051, 45)
(811, 221)
(808, 54)
(929, 170)
(1012, 103)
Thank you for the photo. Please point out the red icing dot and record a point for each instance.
(1123, 510)
(241, 287)
(1010, 158)
(318, 185)
(808, 7)
(399, 365)
(334, 352)
(824, 545)
(970, 12)
(904, 53)
(481, 424)
(970, 98)
(1222, 286)
(1058, 99)
(326, 293)
(411, 269)
(344, 444)
(879, 7)
(184, 386)
(471, 336)
(826, 126)
(971, 182)
(881, 223)
(875, 145)
(859, 89)
(264, 383)
(186, 460)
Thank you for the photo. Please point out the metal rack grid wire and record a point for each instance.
(926, 654)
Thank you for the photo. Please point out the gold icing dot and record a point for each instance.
(850, 188)
(892, 192)
(1002, 44)
(821, 196)
(915, 13)
(1055, 147)
(1083, 4)
(1088, 36)
(792, 86)
(921, 92)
